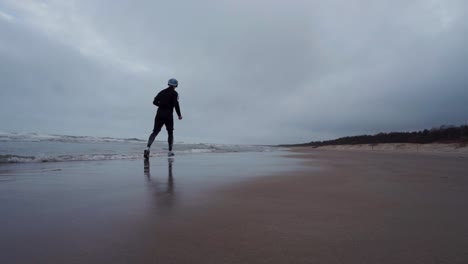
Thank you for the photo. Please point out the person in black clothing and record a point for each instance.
(166, 101)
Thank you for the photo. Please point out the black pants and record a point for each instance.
(159, 122)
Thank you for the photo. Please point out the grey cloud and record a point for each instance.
(250, 71)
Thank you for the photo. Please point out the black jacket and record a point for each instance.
(166, 101)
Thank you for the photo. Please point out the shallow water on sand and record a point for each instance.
(79, 207)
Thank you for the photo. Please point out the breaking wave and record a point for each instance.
(34, 147)
(36, 137)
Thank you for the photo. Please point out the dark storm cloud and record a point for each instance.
(250, 71)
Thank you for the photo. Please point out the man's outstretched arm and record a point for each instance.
(177, 107)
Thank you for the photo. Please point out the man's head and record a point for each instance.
(173, 83)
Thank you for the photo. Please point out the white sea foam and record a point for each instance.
(63, 158)
(37, 137)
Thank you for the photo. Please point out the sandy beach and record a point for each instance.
(458, 149)
(302, 206)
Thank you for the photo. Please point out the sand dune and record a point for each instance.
(436, 148)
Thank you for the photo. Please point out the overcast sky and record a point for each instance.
(249, 71)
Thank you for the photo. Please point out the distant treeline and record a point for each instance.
(443, 134)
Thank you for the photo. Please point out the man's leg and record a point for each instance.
(170, 134)
(158, 123)
(170, 139)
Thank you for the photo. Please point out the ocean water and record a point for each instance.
(34, 147)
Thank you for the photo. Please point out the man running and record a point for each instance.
(166, 101)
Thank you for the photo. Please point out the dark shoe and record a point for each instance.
(170, 154)
(146, 154)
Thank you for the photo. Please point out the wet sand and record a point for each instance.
(340, 207)
(106, 212)
(360, 208)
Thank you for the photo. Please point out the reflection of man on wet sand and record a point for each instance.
(147, 168)
(164, 194)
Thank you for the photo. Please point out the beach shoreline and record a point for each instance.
(335, 207)
(460, 149)
(358, 208)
